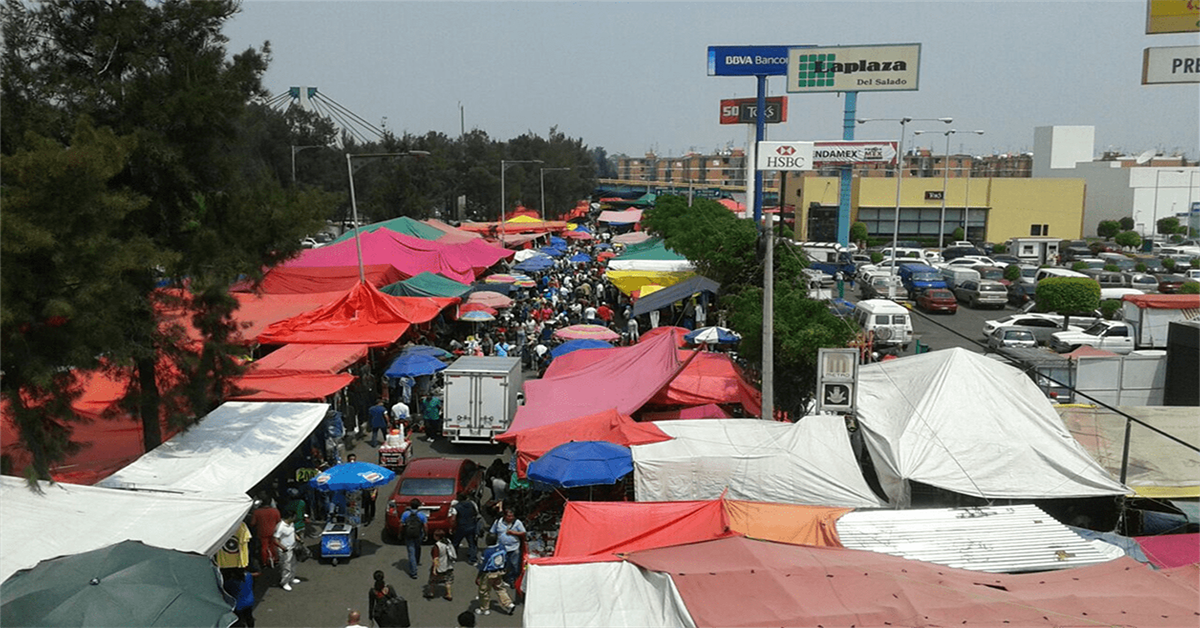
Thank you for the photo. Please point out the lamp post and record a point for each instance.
(350, 168)
(504, 166)
(296, 149)
(899, 176)
(542, 175)
(946, 182)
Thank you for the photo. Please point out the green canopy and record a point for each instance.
(403, 224)
(655, 249)
(426, 284)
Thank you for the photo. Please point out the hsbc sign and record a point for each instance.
(785, 156)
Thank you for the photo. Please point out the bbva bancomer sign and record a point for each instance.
(893, 67)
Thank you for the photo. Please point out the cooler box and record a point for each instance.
(338, 540)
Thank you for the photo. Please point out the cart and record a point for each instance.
(340, 539)
(396, 450)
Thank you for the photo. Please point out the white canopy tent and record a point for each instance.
(808, 462)
(966, 423)
(648, 599)
(652, 265)
(66, 519)
(228, 451)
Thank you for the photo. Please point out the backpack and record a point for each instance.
(413, 527)
(392, 611)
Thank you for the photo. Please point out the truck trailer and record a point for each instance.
(481, 398)
(1145, 319)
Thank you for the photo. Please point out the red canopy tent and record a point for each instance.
(364, 315)
(706, 411)
(256, 311)
(410, 255)
(608, 425)
(1171, 550)
(307, 279)
(710, 378)
(298, 373)
(678, 332)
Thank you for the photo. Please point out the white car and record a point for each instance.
(968, 262)
(1042, 325)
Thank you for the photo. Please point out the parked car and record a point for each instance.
(1011, 337)
(1028, 273)
(876, 286)
(1141, 281)
(1004, 259)
(1170, 284)
(982, 293)
(954, 252)
(937, 300)
(991, 273)
(436, 482)
(969, 261)
(1020, 293)
(1042, 326)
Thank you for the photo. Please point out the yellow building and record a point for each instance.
(999, 208)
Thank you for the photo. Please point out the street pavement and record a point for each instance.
(326, 593)
(938, 331)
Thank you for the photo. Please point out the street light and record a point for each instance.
(899, 176)
(504, 166)
(296, 149)
(945, 183)
(542, 176)
(369, 157)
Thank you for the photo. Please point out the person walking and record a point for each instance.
(285, 541)
(433, 416)
(263, 522)
(412, 525)
(491, 577)
(385, 608)
(239, 584)
(510, 531)
(466, 525)
(379, 421)
(441, 567)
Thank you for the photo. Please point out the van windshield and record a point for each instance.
(926, 276)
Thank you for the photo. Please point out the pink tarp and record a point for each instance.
(300, 280)
(411, 256)
(710, 378)
(706, 411)
(624, 379)
(364, 315)
(608, 425)
(1171, 550)
(622, 217)
(792, 585)
(677, 332)
(452, 234)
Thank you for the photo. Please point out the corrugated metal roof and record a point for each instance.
(996, 539)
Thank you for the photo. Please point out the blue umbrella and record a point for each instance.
(552, 251)
(534, 264)
(712, 336)
(582, 463)
(436, 352)
(558, 242)
(414, 365)
(576, 345)
(355, 476)
(476, 316)
(580, 258)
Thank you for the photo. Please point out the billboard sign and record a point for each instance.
(784, 156)
(1172, 16)
(837, 376)
(743, 110)
(838, 153)
(882, 68)
(1175, 64)
(748, 60)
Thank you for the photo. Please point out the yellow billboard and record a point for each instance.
(1172, 16)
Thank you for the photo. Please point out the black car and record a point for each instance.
(1020, 293)
(955, 252)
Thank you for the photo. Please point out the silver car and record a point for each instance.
(1012, 337)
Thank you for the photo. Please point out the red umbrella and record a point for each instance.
(475, 306)
(490, 299)
(592, 332)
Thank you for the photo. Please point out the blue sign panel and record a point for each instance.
(748, 60)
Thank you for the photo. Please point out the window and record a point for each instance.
(882, 319)
(1118, 332)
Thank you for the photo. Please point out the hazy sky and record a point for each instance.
(631, 77)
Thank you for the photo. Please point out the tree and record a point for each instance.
(169, 171)
(1190, 287)
(1012, 272)
(959, 234)
(859, 233)
(1126, 223)
(1067, 296)
(727, 249)
(1108, 228)
(1128, 239)
(1169, 226)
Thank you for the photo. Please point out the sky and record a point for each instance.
(631, 77)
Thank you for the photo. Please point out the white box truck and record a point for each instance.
(1145, 321)
(481, 398)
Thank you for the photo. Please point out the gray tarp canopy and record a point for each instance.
(677, 292)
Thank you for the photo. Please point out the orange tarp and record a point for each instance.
(786, 523)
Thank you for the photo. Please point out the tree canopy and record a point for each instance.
(727, 249)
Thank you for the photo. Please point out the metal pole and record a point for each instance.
(768, 351)
(293, 165)
(362, 277)
(542, 176)
(945, 184)
(896, 218)
(847, 172)
(502, 166)
(760, 134)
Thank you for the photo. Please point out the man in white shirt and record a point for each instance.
(400, 411)
(285, 540)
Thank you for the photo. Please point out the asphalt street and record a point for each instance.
(941, 331)
(327, 593)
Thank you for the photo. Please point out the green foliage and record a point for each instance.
(858, 232)
(722, 246)
(1128, 239)
(876, 257)
(1079, 266)
(1109, 308)
(1012, 272)
(1068, 295)
(1000, 248)
(1169, 226)
(959, 234)
(1169, 263)
(1140, 267)
(1195, 263)
(1190, 287)
(1126, 223)
(1112, 268)
(1108, 228)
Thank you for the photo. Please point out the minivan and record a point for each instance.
(1043, 273)
(887, 320)
(1106, 279)
(957, 275)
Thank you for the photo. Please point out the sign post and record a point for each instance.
(837, 380)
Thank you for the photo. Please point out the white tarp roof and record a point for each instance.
(808, 462)
(228, 451)
(601, 595)
(966, 423)
(68, 519)
(652, 265)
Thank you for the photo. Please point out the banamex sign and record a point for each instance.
(785, 156)
(892, 67)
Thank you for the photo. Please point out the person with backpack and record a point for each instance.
(466, 525)
(491, 576)
(385, 607)
(441, 569)
(412, 528)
